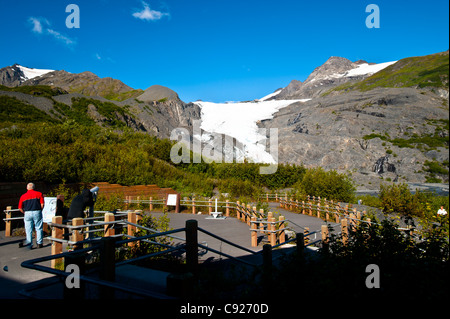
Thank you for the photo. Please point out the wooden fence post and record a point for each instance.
(261, 225)
(210, 206)
(227, 208)
(77, 233)
(306, 232)
(324, 229)
(109, 229)
(344, 230)
(193, 205)
(238, 210)
(57, 232)
(131, 229)
(310, 208)
(272, 234)
(325, 240)
(318, 210)
(243, 212)
(151, 204)
(254, 237)
(352, 221)
(282, 235)
(8, 223)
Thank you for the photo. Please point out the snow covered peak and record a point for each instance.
(30, 73)
(366, 68)
(363, 69)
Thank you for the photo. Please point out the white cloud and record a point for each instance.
(60, 37)
(37, 24)
(103, 58)
(149, 14)
(41, 26)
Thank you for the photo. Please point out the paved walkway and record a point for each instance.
(14, 278)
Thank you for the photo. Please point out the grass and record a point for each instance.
(36, 90)
(13, 110)
(431, 141)
(430, 71)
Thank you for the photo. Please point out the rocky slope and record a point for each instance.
(386, 132)
(62, 95)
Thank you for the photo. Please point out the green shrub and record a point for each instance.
(435, 168)
(330, 185)
(397, 198)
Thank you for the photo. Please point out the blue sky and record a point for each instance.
(215, 50)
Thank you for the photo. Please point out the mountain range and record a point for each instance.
(346, 115)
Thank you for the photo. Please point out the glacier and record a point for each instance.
(239, 120)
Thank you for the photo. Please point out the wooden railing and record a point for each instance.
(274, 227)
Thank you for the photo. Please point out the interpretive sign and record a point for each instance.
(49, 210)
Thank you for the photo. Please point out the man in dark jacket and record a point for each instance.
(79, 204)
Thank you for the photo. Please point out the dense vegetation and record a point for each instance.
(409, 270)
(73, 145)
(330, 185)
(77, 153)
(12, 110)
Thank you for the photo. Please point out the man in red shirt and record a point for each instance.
(31, 204)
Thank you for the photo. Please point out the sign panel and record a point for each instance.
(49, 210)
(172, 200)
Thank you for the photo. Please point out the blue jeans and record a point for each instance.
(33, 220)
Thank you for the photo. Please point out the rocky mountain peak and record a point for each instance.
(335, 71)
(334, 67)
(158, 93)
(11, 76)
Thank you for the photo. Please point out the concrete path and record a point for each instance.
(13, 277)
